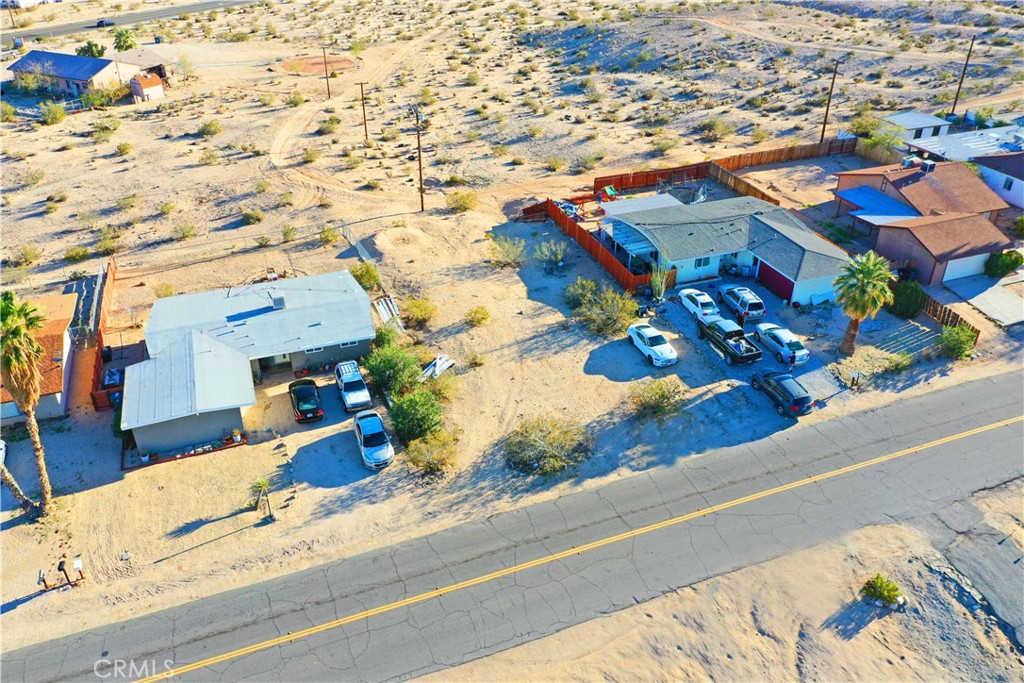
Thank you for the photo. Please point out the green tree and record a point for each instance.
(392, 368)
(417, 415)
(19, 364)
(862, 290)
(91, 49)
(124, 40)
(883, 137)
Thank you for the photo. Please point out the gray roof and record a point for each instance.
(915, 119)
(60, 65)
(143, 57)
(197, 375)
(319, 310)
(772, 233)
(966, 146)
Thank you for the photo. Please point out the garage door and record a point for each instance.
(962, 267)
(776, 282)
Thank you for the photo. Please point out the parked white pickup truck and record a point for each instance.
(352, 386)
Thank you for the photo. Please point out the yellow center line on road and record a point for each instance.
(422, 597)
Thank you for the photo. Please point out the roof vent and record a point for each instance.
(928, 166)
(910, 161)
(278, 301)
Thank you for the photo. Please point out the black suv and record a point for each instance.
(790, 397)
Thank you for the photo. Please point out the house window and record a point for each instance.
(918, 132)
(1008, 183)
(347, 344)
(702, 262)
(936, 130)
(315, 349)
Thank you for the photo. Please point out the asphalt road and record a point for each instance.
(730, 523)
(89, 23)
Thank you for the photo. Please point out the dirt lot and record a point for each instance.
(510, 119)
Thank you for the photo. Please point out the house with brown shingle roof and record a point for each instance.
(54, 363)
(927, 188)
(941, 247)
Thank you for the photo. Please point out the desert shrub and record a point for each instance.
(324, 202)
(658, 398)
(385, 336)
(999, 264)
(460, 202)
(210, 128)
(880, 588)
(128, 201)
(715, 129)
(184, 231)
(366, 275)
(446, 387)
(7, 113)
(209, 158)
(163, 290)
(28, 254)
(58, 195)
(285, 199)
(50, 207)
(328, 126)
(759, 134)
(263, 241)
(662, 146)
(108, 245)
(252, 216)
(908, 299)
(392, 368)
(261, 186)
(899, 362)
(166, 208)
(518, 161)
(34, 177)
(123, 149)
(551, 254)
(554, 164)
(957, 342)
(76, 254)
(311, 154)
(579, 292)
(327, 236)
(294, 98)
(266, 99)
(545, 445)
(52, 113)
(288, 233)
(507, 252)
(602, 310)
(475, 360)
(416, 415)
(477, 316)
(418, 312)
(434, 453)
(472, 78)
(1018, 226)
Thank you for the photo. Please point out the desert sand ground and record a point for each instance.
(516, 111)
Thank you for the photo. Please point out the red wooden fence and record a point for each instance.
(101, 397)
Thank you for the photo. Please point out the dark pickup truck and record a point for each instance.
(728, 337)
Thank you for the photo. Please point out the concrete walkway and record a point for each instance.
(999, 301)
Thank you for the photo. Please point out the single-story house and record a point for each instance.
(967, 146)
(941, 247)
(147, 60)
(55, 362)
(72, 74)
(926, 187)
(232, 337)
(913, 125)
(146, 87)
(1004, 174)
(758, 238)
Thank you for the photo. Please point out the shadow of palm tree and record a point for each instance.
(852, 618)
(196, 524)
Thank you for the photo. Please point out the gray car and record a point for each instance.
(374, 443)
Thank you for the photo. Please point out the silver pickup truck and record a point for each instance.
(352, 386)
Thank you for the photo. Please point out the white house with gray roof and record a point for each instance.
(757, 237)
(915, 125)
(206, 350)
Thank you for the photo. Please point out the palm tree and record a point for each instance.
(19, 366)
(862, 290)
(7, 479)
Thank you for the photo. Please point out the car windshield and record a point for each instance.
(354, 385)
(755, 306)
(656, 340)
(795, 345)
(375, 439)
(707, 305)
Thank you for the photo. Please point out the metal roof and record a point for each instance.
(628, 237)
(319, 310)
(915, 119)
(870, 201)
(621, 206)
(770, 232)
(966, 146)
(194, 376)
(59, 65)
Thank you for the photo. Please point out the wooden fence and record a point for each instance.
(947, 317)
(100, 396)
(880, 155)
(738, 184)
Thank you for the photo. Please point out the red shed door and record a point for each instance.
(776, 282)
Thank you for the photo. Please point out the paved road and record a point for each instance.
(89, 23)
(464, 624)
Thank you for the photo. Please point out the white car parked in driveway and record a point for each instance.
(783, 343)
(652, 344)
(699, 304)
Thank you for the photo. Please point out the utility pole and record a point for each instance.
(362, 100)
(963, 73)
(828, 104)
(415, 111)
(327, 76)
(11, 12)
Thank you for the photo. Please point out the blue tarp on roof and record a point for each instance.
(59, 65)
(871, 202)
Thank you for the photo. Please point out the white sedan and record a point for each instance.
(652, 344)
(698, 303)
(783, 343)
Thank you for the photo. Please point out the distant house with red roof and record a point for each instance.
(55, 362)
(146, 87)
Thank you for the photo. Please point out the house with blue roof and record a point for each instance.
(73, 75)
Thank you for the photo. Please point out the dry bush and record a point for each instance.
(545, 445)
(28, 254)
(76, 254)
(210, 128)
(508, 252)
(460, 202)
(163, 290)
(446, 387)
(477, 316)
(418, 312)
(658, 398)
(366, 275)
(433, 454)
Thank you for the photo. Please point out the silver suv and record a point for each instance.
(743, 302)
